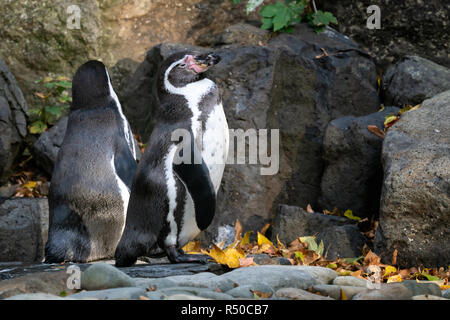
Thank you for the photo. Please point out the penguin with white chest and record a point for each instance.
(171, 202)
(91, 181)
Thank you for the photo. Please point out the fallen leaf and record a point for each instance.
(246, 239)
(309, 208)
(192, 247)
(233, 256)
(263, 240)
(264, 229)
(394, 257)
(390, 120)
(237, 230)
(30, 185)
(388, 270)
(245, 262)
(396, 278)
(343, 295)
(349, 214)
(259, 294)
(376, 131)
(372, 259)
(143, 298)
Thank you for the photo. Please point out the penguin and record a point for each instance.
(172, 201)
(91, 180)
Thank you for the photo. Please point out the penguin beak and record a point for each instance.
(201, 63)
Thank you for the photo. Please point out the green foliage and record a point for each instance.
(56, 102)
(281, 16)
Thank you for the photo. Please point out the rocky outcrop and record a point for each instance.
(13, 123)
(23, 229)
(288, 84)
(353, 173)
(414, 79)
(407, 27)
(415, 212)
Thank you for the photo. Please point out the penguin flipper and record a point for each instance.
(124, 162)
(197, 180)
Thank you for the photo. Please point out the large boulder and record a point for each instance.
(286, 84)
(414, 79)
(353, 173)
(415, 210)
(407, 27)
(23, 229)
(13, 123)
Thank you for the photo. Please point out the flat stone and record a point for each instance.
(112, 294)
(104, 276)
(321, 274)
(299, 294)
(422, 288)
(181, 296)
(390, 291)
(274, 276)
(156, 283)
(201, 292)
(335, 291)
(350, 281)
(246, 291)
(167, 270)
(203, 280)
(265, 259)
(36, 296)
(427, 297)
(156, 295)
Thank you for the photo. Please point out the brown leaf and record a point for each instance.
(264, 229)
(376, 131)
(143, 298)
(245, 262)
(309, 209)
(394, 257)
(261, 294)
(372, 259)
(237, 230)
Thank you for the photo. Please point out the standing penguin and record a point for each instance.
(172, 201)
(89, 190)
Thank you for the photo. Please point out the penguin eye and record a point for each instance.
(183, 65)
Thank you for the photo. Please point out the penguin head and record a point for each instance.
(183, 68)
(90, 86)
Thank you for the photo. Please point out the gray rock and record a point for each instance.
(422, 288)
(244, 34)
(111, 294)
(36, 296)
(13, 123)
(292, 222)
(335, 291)
(156, 283)
(156, 295)
(20, 217)
(299, 294)
(427, 297)
(167, 269)
(414, 79)
(280, 85)
(203, 280)
(390, 291)
(7, 191)
(264, 259)
(414, 210)
(247, 290)
(446, 294)
(201, 292)
(353, 174)
(181, 296)
(46, 148)
(321, 274)
(342, 242)
(350, 281)
(275, 277)
(104, 276)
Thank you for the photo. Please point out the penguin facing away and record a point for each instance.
(171, 202)
(90, 185)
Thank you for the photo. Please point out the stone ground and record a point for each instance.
(159, 280)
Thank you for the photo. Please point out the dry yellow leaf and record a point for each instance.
(30, 184)
(263, 240)
(388, 270)
(192, 247)
(343, 295)
(246, 239)
(217, 254)
(396, 278)
(233, 256)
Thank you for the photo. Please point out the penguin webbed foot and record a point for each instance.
(176, 255)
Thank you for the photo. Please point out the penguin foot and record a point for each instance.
(179, 256)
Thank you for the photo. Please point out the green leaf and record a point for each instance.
(267, 23)
(353, 260)
(37, 127)
(311, 241)
(321, 18)
(299, 255)
(269, 11)
(281, 19)
(349, 214)
(430, 277)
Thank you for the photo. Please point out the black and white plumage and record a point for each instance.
(91, 181)
(171, 203)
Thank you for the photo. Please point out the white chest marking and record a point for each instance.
(126, 125)
(172, 196)
(124, 193)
